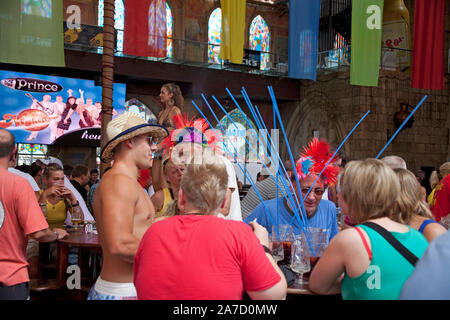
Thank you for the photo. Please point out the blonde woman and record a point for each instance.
(359, 262)
(163, 198)
(412, 210)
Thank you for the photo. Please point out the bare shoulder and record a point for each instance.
(158, 195)
(346, 239)
(175, 110)
(116, 183)
(433, 230)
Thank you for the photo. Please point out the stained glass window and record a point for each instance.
(160, 28)
(134, 105)
(340, 54)
(235, 135)
(41, 8)
(119, 20)
(259, 39)
(214, 35)
(29, 153)
(169, 30)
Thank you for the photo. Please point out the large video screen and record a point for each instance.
(41, 109)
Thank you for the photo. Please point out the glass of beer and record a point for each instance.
(77, 217)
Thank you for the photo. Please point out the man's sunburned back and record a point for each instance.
(123, 214)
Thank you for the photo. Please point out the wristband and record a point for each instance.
(76, 204)
(56, 234)
(267, 250)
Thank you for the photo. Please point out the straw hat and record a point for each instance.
(126, 126)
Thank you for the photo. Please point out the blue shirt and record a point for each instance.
(324, 217)
(431, 278)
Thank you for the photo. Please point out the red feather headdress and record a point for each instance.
(313, 160)
(190, 130)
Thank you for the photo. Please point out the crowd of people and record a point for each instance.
(171, 225)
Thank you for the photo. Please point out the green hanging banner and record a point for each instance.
(31, 32)
(367, 21)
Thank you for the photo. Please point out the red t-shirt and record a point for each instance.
(196, 257)
(441, 207)
(20, 215)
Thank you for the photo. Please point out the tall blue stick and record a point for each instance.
(254, 110)
(274, 102)
(334, 154)
(244, 171)
(218, 103)
(288, 194)
(401, 127)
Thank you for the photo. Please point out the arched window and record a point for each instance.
(340, 54)
(119, 20)
(160, 27)
(259, 39)
(214, 36)
(235, 135)
(169, 30)
(136, 106)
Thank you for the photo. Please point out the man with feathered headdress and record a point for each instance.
(188, 139)
(321, 213)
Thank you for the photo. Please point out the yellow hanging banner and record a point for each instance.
(233, 30)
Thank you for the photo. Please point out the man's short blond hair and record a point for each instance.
(370, 188)
(205, 184)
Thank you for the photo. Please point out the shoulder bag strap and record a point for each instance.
(394, 242)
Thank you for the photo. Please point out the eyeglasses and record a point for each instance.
(317, 191)
(149, 140)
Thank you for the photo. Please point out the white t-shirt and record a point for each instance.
(235, 205)
(27, 176)
(87, 215)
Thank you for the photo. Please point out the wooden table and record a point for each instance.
(305, 293)
(76, 238)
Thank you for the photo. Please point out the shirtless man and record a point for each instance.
(122, 209)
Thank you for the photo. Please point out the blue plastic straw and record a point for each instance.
(218, 103)
(334, 154)
(401, 127)
(244, 171)
(293, 203)
(287, 194)
(272, 95)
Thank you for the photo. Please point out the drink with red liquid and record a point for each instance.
(287, 253)
(313, 261)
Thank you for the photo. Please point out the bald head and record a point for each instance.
(395, 162)
(7, 142)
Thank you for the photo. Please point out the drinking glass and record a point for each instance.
(315, 245)
(284, 233)
(277, 249)
(300, 262)
(77, 217)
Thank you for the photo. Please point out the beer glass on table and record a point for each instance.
(277, 248)
(300, 262)
(76, 217)
(315, 245)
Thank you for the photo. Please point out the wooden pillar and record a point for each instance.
(107, 72)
